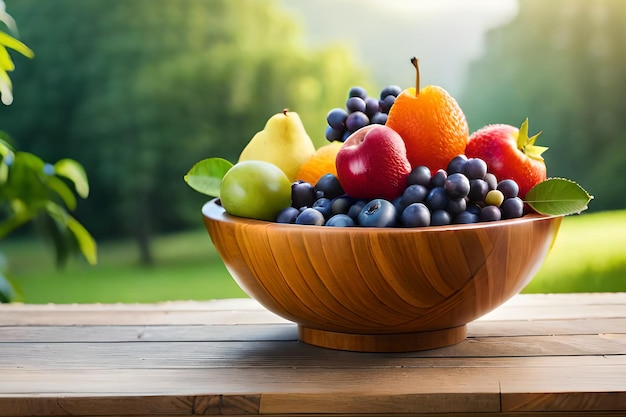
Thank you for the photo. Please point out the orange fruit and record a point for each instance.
(431, 123)
(320, 163)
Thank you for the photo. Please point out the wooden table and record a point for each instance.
(561, 354)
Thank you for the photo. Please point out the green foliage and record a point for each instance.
(558, 196)
(31, 189)
(560, 63)
(140, 90)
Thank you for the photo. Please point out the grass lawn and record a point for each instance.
(589, 255)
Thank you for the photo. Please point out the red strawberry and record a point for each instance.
(372, 163)
(509, 154)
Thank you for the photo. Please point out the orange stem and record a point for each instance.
(417, 75)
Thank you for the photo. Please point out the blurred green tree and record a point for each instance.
(562, 63)
(140, 90)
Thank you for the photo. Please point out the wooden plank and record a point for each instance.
(245, 310)
(278, 353)
(282, 331)
(329, 390)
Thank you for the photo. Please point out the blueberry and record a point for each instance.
(356, 208)
(415, 215)
(439, 179)
(457, 185)
(436, 199)
(456, 164)
(512, 208)
(413, 194)
(456, 206)
(440, 218)
(340, 205)
(386, 103)
(340, 220)
(466, 217)
(358, 91)
(390, 90)
(302, 194)
(490, 214)
(354, 104)
(508, 187)
(378, 213)
(329, 186)
(478, 190)
(323, 205)
(310, 216)
(475, 168)
(419, 175)
(288, 215)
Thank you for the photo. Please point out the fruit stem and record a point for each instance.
(417, 75)
(285, 111)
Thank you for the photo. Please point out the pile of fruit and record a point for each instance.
(405, 159)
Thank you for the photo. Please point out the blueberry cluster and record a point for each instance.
(359, 112)
(465, 192)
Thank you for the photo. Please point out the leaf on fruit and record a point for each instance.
(206, 175)
(558, 197)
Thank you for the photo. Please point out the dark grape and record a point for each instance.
(379, 118)
(386, 103)
(509, 188)
(390, 90)
(336, 118)
(415, 215)
(357, 91)
(475, 168)
(419, 175)
(456, 164)
(333, 134)
(436, 199)
(355, 104)
(490, 214)
(473, 208)
(457, 185)
(371, 106)
(478, 190)
(491, 180)
(512, 208)
(439, 179)
(356, 120)
(456, 206)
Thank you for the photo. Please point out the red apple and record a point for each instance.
(509, 154)
(372, 163)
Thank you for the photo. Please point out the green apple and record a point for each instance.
(256, 190)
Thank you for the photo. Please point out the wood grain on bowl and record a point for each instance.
(381, 289)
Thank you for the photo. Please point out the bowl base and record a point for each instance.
(396, 342)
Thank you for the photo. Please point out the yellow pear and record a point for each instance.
(282, 142)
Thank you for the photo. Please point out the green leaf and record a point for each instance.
(74, 172)
(558, 196)
(86, 242)
(63, 191)
(206, 175)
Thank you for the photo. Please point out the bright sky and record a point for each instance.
(444, 34)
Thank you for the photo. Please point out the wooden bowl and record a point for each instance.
(381, 289)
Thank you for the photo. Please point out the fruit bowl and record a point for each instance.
(381, 289)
